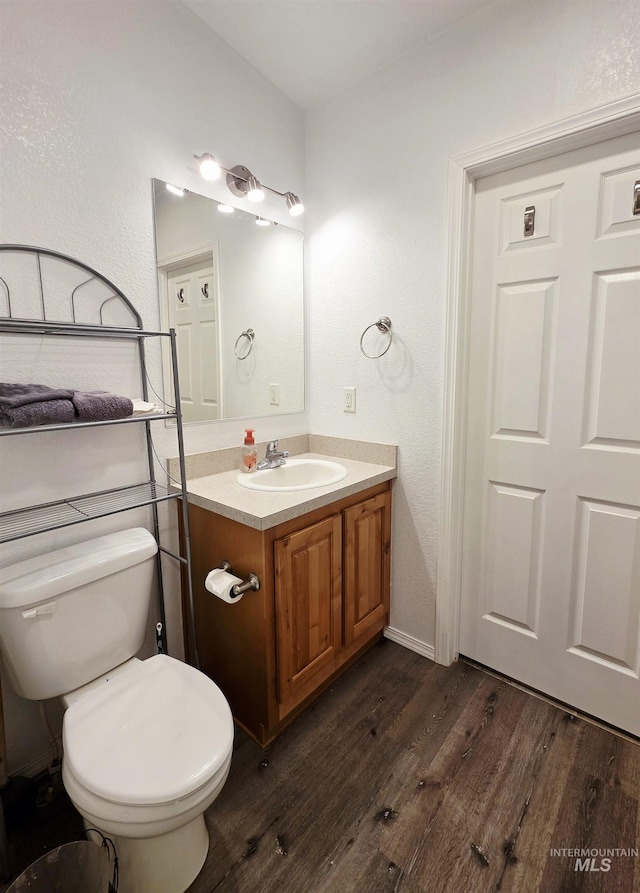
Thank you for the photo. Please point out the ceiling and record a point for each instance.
(314, 49)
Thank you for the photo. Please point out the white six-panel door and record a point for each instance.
(193, 312)
(551, 564)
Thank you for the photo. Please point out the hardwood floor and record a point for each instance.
(411, 777)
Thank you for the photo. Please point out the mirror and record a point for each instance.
(233, 291)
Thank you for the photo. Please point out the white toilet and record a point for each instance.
(147, 744)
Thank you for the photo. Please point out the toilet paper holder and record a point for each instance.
(252, 581)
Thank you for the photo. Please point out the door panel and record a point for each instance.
(308, 605)
(606, 596)
(613, 408)
(367, 529)
(513, 538)
(524, 319)
(547, 212)
(551, 564)
(616, 216)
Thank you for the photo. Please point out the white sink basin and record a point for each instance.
(296, 474)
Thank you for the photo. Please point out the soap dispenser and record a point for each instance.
(249, 453)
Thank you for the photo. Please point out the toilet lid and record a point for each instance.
(151, 735)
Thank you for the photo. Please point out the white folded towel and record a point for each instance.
(141, 407)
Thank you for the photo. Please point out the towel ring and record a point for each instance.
(383, 325)
(249, 334)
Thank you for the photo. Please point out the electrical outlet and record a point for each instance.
(274, 395)
(349, 400)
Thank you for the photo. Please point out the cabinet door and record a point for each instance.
(367, 529)
(308, 606)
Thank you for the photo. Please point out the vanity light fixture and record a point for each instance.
(176, 190)
(296, 208)
(209, 167)
(244, 184)
(255, 192)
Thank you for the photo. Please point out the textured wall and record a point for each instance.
(376, 194)
(98, 98)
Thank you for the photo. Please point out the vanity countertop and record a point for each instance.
(220, 493)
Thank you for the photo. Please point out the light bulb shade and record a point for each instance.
(261, 221)
(294, 204)
(209, 167)
(176, 190)
(254, 190)
(226, 209)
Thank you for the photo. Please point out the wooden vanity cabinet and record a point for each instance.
(323, 599)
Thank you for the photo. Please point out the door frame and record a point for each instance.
(605, 122)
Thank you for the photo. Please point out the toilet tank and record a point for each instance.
(71, 615)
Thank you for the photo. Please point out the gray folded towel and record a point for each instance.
(47, 412)
(25, 405)
(100, 406)
(13, 395)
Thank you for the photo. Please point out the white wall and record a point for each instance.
(376, 199)
(99, 97)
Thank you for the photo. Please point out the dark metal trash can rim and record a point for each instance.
(81, 865)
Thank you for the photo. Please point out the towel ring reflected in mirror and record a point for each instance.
(243, 350)
(383, 325)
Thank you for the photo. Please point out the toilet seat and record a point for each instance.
(153, 735)
(116, 819)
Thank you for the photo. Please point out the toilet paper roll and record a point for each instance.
(220, 582)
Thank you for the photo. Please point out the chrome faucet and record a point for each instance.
(273, 457)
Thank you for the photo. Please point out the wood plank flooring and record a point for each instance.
(415, 778)
(412, 777)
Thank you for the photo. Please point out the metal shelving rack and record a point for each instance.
(31, 520)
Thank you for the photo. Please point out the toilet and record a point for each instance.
(147, 743)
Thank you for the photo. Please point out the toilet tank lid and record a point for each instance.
(55, 573)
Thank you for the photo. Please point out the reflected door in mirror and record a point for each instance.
(193, 313)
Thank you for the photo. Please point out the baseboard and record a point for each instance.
(39, 764)
(410, 642)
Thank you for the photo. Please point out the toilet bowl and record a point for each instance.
(145, 753)
(146, 743)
